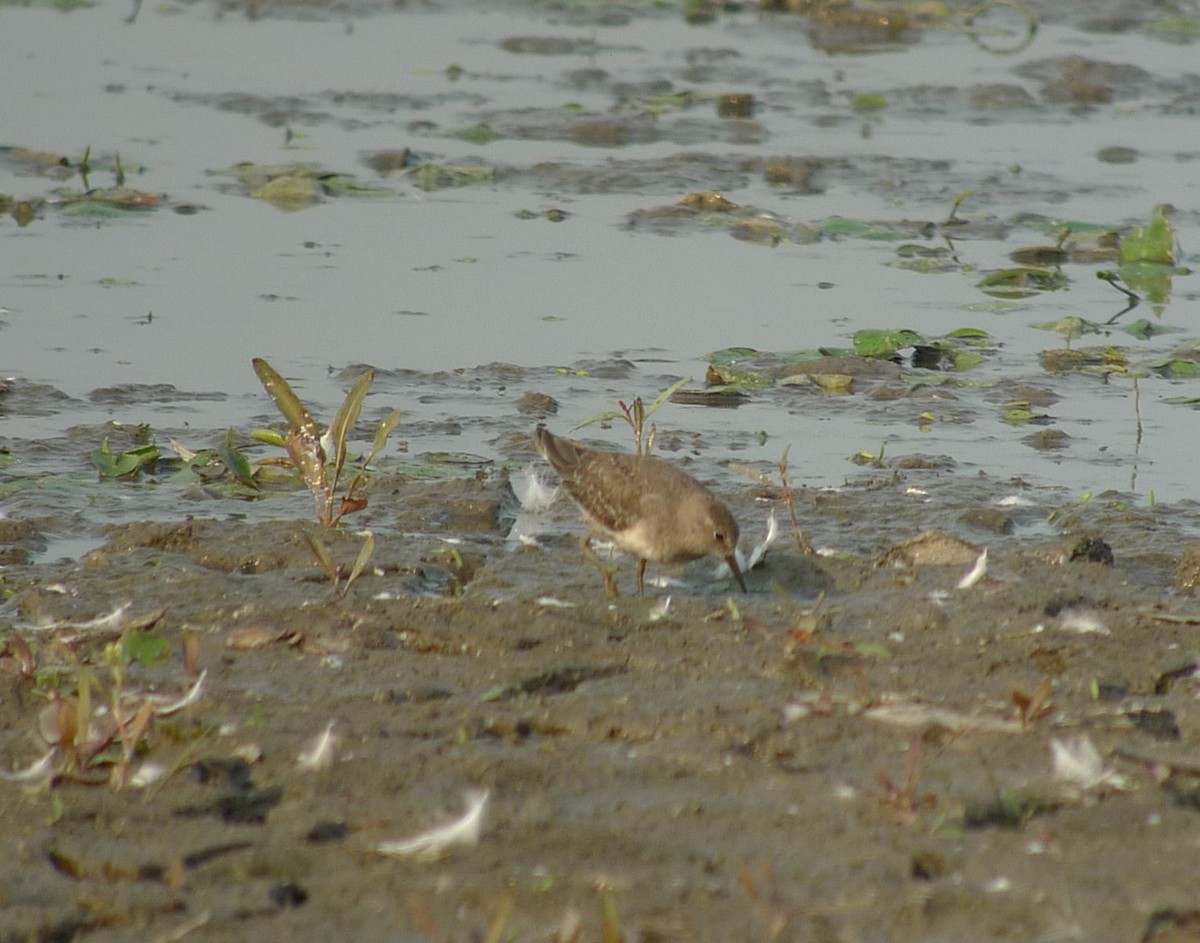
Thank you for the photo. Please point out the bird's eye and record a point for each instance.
(719, 536)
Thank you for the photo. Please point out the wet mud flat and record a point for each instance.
(852, 751)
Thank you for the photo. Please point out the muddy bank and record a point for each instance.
(873, 763)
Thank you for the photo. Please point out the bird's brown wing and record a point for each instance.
(608, 487)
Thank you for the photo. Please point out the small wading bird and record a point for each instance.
(646, 506)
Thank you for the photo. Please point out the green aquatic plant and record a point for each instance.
(125, 465)
(1147, 261)
(307, 447)
(1153, 243)
(635, 415)
(960, 349)
(340, 581)
(93, 723)
(1022, 282)
(292, 187)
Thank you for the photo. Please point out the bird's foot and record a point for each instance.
(610, 581)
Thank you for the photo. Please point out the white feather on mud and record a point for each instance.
(464, 830)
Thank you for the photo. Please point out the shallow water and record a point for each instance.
(452, 278)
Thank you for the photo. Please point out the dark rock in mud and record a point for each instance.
(1079, 81)
(1091, 550)
(794, 172)
(613, 132)
(544, 45)
(1047, 440)
(1117, 155)
(19, 541)
(537, 404)
(1001, 97)
(991, 520)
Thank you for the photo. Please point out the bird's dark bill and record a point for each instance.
(737, 571)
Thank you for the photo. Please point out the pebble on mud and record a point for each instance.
(932, 548)
(537, 404)
(735, 105)
(1047, 440)
(992, 520)
(1187, 572)
(793, 171)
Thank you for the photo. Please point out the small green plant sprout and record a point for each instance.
(867, 458)
(95, 728)
(307, 447)
(333, 569)
(959, 199)
(636, 414)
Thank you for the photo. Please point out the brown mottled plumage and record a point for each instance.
(646, 506)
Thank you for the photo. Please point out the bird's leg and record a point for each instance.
(641, 576)
(610, 583)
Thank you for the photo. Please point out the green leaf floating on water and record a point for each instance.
(864, 229)
(1018, 413)
(962, 360)
(292, 187)
(475, 134)
(1145, 329)
(1069, 327)
(1178, 28)
(85, 209)
(290, 192)
(732, 355)
(840, 384)
(730, 377)
(868, 102)
(1022, 281)
(1182, 364)
(873, 342)
(1176, 368)
(970, 334)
